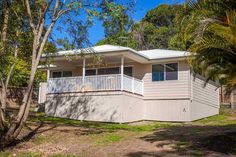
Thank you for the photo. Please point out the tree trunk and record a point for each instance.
(5, 24)
(3, 97)
(18, 121)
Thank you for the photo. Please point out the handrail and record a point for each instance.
(95, 83)
(82, 76)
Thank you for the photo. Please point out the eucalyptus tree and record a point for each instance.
(41, 18)
(209, 28)
(117, 20)
(9, 34)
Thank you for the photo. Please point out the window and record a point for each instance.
(107, 71)
(56, 74)
(90, 72)
(158, 72)
(128, 71)
(67, 74)
(172, 71)
(161, 72)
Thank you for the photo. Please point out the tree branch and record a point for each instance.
(13, 65)
(30, 15)
(42, 15)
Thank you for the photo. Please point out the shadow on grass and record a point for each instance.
(89, 127)
(32, 132)
(192, 141)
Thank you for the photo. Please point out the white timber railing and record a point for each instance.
(94, 83)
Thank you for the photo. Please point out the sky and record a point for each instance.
(96, 32)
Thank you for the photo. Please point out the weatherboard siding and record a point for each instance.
(205, 99)
(172, 89)
(208, 94)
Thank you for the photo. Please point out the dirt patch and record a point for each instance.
(186, 140)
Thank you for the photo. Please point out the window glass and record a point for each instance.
(67, 74)
(90, 72)
(172, 71)
(107, 71)
(128, 71)
(158, 72)
(56, 74)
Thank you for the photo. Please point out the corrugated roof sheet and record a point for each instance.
(148, 54)
(161, 53)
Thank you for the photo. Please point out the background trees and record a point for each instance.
(156, 30)
(205, 28)
(210, 29)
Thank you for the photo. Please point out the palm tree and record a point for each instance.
(210, 28)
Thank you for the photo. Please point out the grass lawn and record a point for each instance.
(59, 137)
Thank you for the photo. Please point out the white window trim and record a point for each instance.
(164, 65)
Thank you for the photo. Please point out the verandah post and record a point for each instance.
(48, 74)
(132, 84)
(83, 79)
(122, 73)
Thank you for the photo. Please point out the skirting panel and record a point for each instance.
(200, 110)
(105, 106)
(121, 107)
(167, 110)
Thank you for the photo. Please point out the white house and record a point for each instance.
(126, 86)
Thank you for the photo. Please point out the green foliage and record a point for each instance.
(20, 39)
(115, 18)
(40, 140)
(108, 138)
(21, 74)
(210, 28)
(156, 30)
(163, 15)
(119, 39)
(175, 43)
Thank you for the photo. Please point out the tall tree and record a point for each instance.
(8, 52)
(41, 17)
(156, 30)
(115, 17)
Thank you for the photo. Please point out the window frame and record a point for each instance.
(96, 72)
(56, 72)
(164, 65)
(113, 67)
(163, 72)
(132, 66)
(67, 71)
(61, 71)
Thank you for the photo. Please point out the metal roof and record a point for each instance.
(161, 53)
(147, 54)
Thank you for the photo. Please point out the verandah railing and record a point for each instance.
(94, 83)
